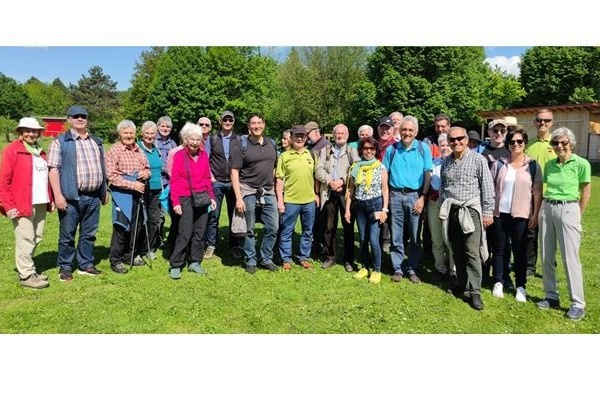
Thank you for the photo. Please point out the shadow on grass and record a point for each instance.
(47, 260)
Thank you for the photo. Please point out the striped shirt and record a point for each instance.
(89, 166)
(121, 161)
(466, 179)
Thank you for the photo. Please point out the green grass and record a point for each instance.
(228, 300)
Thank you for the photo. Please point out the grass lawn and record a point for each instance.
(228, 300)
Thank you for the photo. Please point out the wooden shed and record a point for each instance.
(54, 125)
(582, 119)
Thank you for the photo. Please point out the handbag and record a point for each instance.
(199, 199)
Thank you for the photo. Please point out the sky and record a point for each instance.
(70, 63)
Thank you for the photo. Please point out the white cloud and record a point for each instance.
(506, 64)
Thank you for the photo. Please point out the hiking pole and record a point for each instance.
(134, 227)
(145, 223)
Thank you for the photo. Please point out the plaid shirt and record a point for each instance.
(121, 160)
(89, 166)
(466, 179)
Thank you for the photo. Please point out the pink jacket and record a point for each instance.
(524, 187)
(199, 174)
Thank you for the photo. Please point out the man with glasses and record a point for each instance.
(220, 168)
(540, 150)
(385, 138)
(206, 126)
(78, 178)
(164, 143)
(467, 198)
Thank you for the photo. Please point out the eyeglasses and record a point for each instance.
(79, 116)
(501, 130)
(369, 148)
(227, 119)
(204, 124)
(517, 141)
(540, 120)
(555, 143)
(455, 139)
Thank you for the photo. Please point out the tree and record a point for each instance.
(99, 95)
(14, 102)
(47, 100)
(560, 75)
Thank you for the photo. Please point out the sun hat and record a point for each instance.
(29, 122)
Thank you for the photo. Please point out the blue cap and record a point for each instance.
(76, 110)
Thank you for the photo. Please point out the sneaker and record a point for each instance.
(151, 255)
(575, 313)
(329, 262)
(209, 252)
(521, 295)
(119, 268)
(33, 282)
(43, 277)
(65, 276)
(348, 267)
(175, 273)
(397, 277)
(251, 269)
(375, 277)
(306, 264)
(414, 278)
(138, 261)
(271, 267)
(91, 271)
(196, 268)
(497, 291)
(362, 273)
(547, 304)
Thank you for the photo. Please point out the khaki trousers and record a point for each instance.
(28, 234)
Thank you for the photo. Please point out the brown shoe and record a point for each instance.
(287, 266)
(414, 278)
(397, 277)
(328, 263)
(306, 264)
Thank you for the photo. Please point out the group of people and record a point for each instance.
(473, 205)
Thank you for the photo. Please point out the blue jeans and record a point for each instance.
(84, 212)
(221, 190)
(401, 205)
(270, 218)
(307, 217)
(369, 229)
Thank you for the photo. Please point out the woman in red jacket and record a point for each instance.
(25, 196)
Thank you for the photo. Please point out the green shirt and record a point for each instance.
(297, 169)
(541, 151)
(563, 180)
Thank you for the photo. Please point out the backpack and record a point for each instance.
(244, 144)
(419, 148)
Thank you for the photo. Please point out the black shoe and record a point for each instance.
(348, 267)
(119, 268)
(508, 284)
(237, 253)
(271, 267)
(328, 263)
(476, 302)
(251, 269)
(438, 277)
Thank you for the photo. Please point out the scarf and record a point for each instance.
(362, 171)
(34, 150)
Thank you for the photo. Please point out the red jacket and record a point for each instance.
(16, 179)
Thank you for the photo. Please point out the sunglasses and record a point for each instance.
(501, 130)
(204, 124)
(227, 120)
(540, 120)
(79, 116)
(368, 148)
(556, 143)
(456, 139)
(517, 141)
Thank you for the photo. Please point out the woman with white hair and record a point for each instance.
(567, 191)
(25, 196)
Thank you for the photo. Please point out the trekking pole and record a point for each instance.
(134, 227)
(145, 223)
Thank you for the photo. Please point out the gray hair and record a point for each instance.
(397, 114)
(442, 137)
(410, 118)
(564, 131)
(149, 124)
(457, 128)
(165, 120)
(190, 129)
(125, 124)
(368, 128)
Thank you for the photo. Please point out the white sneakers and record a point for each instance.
(521, 295)
(497, 290)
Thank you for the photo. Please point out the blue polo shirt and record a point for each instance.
(408, 165)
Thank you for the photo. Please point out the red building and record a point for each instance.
(54, 125)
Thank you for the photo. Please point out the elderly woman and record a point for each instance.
(154, 189)
(25, 196)
(368, 192)
(286, 140)
(444, 269)
(363, 132)
(190, 175)
(128, 174)
(518, 195)
(566, 194)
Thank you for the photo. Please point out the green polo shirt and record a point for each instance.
(562, 180)
(541, 151)
(297, 169)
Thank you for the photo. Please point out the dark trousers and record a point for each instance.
(330, 213)
(153, 208)
(465, 249)
(192, 225)
(506, 227)
(121, 241)
(531, 249)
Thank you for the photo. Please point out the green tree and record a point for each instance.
(47, 100)
(14, 102)
(560, 75)
(99, 95)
